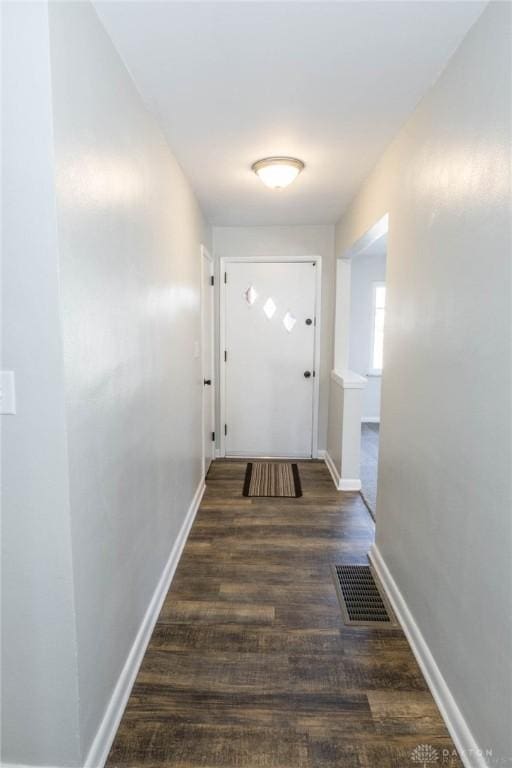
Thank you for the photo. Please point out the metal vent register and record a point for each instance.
(362, 601)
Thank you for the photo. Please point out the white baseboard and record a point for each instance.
(321, 454)
(24, 765)
(102, 743)
(341, 483)
(370, 420)
(470, 754)
(331, 466)
(349, 484)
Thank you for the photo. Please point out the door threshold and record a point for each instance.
(259, 457)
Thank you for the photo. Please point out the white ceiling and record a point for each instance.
(328, 82)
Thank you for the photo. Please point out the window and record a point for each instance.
(379, 309)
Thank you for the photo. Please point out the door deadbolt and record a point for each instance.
(309, 321)
(307, 374)
(207, 382)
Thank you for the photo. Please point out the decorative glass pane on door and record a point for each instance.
(250, 295)
(289, 321)
(269, 308)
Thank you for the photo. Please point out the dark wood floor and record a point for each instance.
(250, 665)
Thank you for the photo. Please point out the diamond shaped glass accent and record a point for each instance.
(269, 308)
(289, 321)
(250, 295)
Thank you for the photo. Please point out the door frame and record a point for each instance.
(224, 262)
(207, 259)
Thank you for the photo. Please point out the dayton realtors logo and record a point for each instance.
(425, 755)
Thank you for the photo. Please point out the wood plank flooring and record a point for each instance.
(250, 665)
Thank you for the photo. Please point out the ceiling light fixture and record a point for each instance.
(278, 172)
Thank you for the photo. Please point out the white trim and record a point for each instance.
(370, 420)
(222, 336)
(106, 732)
(349, 379)
(288, 457)
(24, 765)
(378, 230)
(343, 289)
(349, 484)
(341, 483)
(342, 311)
(471, 755)
(206, 257)
(375, 284)
(321, 453)
(331, 466)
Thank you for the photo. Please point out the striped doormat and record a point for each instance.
(265, 478)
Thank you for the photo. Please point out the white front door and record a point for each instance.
(207, 358)
(270, 353)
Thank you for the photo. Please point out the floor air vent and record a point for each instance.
(362, 601)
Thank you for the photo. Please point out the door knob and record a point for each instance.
(309, 321)
(307, 374)
(207, 382)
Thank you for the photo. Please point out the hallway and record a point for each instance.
(250, 663)
(245, 229)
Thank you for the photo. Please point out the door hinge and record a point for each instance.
(213, 437)
(212, 280)
(225, 429)
(225, 355)
(225, 277)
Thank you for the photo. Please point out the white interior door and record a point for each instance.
(207, 358)
(270, 353)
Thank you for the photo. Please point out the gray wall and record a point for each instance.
(443, 516)
(103, 459)
(39, 673)
(365, 270)
(129, 235)
(307, 240)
